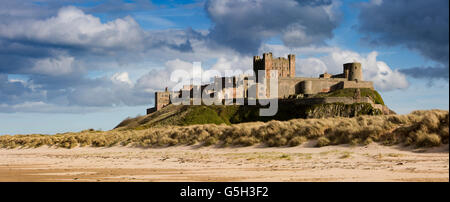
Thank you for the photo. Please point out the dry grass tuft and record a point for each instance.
(420, 128)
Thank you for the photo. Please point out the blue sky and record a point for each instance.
(73, 65)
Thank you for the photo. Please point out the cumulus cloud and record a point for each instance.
(421, 26)
(116, 90)
(57, 54)
(226, 65)
(72, 28)
(94, 93)
(234, 63)
(158, 79)
(16, 91)
(54, 66)
(243, 25)
(383, 76)
(121, 78)
(310, 67)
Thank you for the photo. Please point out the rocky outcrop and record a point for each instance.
(341, 110)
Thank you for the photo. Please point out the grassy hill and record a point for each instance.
(232, 114)
(349, 92)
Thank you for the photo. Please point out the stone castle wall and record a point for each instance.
(328, 100)
(357, 84)
(299, 85)
(162, 99)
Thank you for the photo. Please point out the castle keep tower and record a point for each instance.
(162, 99)
(353, 71)
(285, 66)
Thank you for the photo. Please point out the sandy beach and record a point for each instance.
(373, 162)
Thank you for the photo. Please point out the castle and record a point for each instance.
(289, 86)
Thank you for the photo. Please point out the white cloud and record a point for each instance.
(383, 76)
(379, 72)
(235, 63)
(226, 65)
(61, 65)
(71, 26)
(158, 79)
(121, 77)
(310, 67)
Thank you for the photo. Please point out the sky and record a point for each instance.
(70, 65)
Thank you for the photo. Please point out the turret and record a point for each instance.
(306, 87)
(255, 60)
(354, 71)
(267, 58)
(291, 58)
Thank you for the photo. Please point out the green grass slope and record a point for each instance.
(234, 114)
(350, 92)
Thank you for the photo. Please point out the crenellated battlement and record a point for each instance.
(284, 66)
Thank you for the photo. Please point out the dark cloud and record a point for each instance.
(11, 88)
(427, 72)
(184, 47)
(16, 91)
(419, 25)
(314, 2)
(23, 9)
(244, 25)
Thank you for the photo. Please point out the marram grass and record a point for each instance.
(420, 128)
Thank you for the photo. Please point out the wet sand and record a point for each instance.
(192, 163)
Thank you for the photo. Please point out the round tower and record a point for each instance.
(307, 87)
(354, 71)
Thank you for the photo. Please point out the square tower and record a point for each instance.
(162, 99)
(284, 66)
